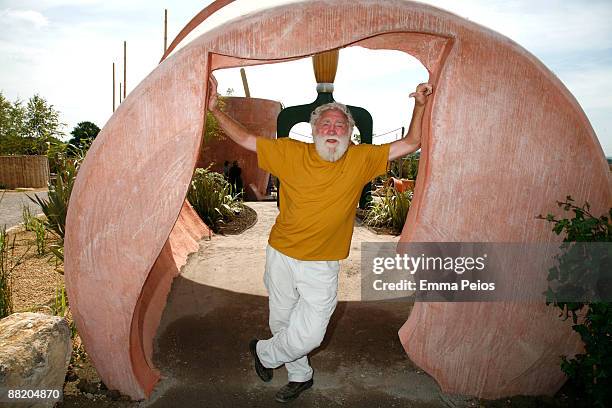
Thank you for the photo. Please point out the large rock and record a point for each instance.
(34, 354)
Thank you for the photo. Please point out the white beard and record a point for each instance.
(331, 153)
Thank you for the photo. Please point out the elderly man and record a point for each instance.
(321, 186)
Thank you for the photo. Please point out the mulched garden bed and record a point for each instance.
(242, 222)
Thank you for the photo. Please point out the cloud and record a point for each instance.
(542, 27)
(63, 49)
(36, 18)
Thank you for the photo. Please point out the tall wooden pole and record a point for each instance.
(165, 30)
(119, 92)
(113, 86)
(124, 69)
(245, 83)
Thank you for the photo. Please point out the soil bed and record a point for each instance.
(242, 222)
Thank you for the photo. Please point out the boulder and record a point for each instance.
(35, 351)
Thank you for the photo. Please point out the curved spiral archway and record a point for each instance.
(129, 231)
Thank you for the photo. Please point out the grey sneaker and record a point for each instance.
(292, 390)
(264, 373)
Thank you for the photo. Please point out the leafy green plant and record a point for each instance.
(390, 211)
(83, 135)
(591, 371)
(407, 167)
(8, 262)
(41, 233)
(55, 206)
(6, 298)
(211, 197)
(213, 130)
(60, 301)
(29, 221)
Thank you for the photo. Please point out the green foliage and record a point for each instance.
(41, 122)
(31, 129)
(60, 301)
(83, 135)
(390, 211)
(41, 233)
(32, 223)
(29, 221)
(6, 267)
(407, 167)
(592, 370)
(212, 130)
(211, 197)
(56, 152)
(12, 116)
(8, 262)
(55, 207)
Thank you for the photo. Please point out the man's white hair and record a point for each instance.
(328, 106)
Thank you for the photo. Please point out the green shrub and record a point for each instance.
(55, 206)
(390, 211)
(29, 221)
(8, 262)
(211, 197)
(6, 298)
(591, 371)
(407, 167)
(41, 232)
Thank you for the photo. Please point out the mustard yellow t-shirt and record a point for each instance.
(318, 199)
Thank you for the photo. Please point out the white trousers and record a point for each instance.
(302, 298)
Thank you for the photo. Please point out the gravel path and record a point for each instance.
(11, 205)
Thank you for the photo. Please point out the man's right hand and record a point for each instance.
(230, 127)
(213, 97)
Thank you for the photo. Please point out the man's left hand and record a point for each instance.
(421, 94)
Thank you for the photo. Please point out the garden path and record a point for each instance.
(12, 204)
(219, 303)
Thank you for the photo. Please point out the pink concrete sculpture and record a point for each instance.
(503, 139)
(257, 115)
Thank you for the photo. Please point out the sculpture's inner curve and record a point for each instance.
(429, 50)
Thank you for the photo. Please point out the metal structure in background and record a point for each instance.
(325, 65)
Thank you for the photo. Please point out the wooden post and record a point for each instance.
(165, 30)
(401, 159)
(124, 69)
(113, 86)
(119, 92)
(245, 83)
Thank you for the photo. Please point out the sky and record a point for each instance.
(64, 50)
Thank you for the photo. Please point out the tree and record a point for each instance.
(12, 117)
(83, 134)
(41, 124)
(5, 115)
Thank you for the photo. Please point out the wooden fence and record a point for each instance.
(24, 171)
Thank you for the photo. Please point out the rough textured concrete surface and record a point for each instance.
(502, 140)
(35, 351)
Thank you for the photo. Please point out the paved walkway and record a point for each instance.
(12, 203)
(218, 304)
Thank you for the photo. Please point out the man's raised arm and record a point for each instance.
(233, 129)
(412, 140)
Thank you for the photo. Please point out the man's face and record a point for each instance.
(331, 135)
